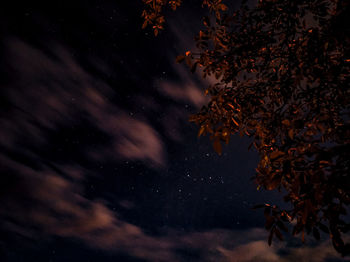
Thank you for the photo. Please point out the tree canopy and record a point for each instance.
(282, 78)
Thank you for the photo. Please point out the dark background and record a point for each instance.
(85, 90)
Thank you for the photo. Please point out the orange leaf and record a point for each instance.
(291, 133)
(201, 131)
(286, 122)
(180, 58)
(276, 154)
(217, 146)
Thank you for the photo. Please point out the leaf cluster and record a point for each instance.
(282, 71)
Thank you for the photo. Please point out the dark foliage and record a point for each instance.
(282, 71)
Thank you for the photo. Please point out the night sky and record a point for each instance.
(98, 161)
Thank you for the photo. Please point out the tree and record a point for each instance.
(282, 71)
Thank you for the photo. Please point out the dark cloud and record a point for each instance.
(48, 92)
(59, 208)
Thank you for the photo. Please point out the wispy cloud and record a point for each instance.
(184, 89)
(54, 90)
(58, 208)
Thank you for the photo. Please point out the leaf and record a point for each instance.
(234, 121)
(276, 154)
(144, 25)
(201, 34)
(278, 234)
(269, 241)
(188, 61)
(217, 146)
(180, 58)
(223, 7)
(206, 21)
(274, 183)
(193, 68)
(250, 145)
(286, 122)
(303, 236)
(291, 133)
(201, 130)
(269, 222)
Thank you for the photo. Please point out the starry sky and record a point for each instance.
(98, 161)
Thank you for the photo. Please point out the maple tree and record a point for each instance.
(282, 71)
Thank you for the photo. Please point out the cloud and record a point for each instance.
(50, 91)
(58, 207)
(187, 93)
(253, 251)
(251, 246)
(185, 89)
